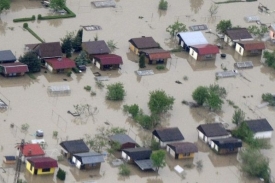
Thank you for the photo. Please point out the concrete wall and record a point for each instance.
(263, 135)
(134, 49)
(239, 49)
(193, 53)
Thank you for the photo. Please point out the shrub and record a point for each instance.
(61, 174)
(39, 17)
(88, 88)
(24, 19)
(115, 91)
(55, 134)
(69, 14)
(69, 73)
(155, 145)
(132, 109)
(25, 25)
(124, 170)
(75, 70)
(99, 84)
(163, 5)
(25, 127)
(160, 67)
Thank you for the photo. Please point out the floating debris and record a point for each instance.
(104, 4)
(145, 72)
(92, 27)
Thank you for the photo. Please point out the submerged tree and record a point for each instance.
(4, 5)
(115, 91)
(163, 5)
(112, 45)
(158, 159)
(214, 101)
(67, 44)
(257, 31)
(141, 61)
(269, 58)
(176, 28)
(57, 4)
(223, 25)
(160, 102)
(213, 10)
(82, 58)
(195, 5)
(238, 117)
(77, 41)
(32, 61)
(200, 94)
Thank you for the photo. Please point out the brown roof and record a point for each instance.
(252, 45)
(109, 59)
(183, 147)
(95, 47)
(205, 49)
(144, 42)
(238, 33)
(49, 50)
(61, 63)
(16, 67)
(156, 53)
(43, 162)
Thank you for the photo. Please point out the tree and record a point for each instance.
(77, 41)
(238, 117)
(82, 58)
(66, 45)
(61, 174)
(124, 170)
(115, 91)
(163, 5)
(176, 28)
(160, 102)
(223, 25)
(255, 164)
(257, 31)
(112, 45)
(57, 4)
(132, 109)
(200, 95)
(213, 10)
(220, 91)
(158, 159)
(4, 5)
(32, 61)
(214, 101)
(141, 61)
(269, 58)
(268, 97)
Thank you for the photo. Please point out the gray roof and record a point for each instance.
(49, 50)
(272, 26)
(75, 146)
(90, 157)
(122, 139)
(7, 56)
(168, 134)
(139, 153)
(146, 164)
(259, 125)
(238, 33)
(213, 130)
(96, 47)
(192, 38)
(183, 147)
(229, 142)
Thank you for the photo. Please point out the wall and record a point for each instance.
(39, 172)
(183, 156)
(193, 53)
(201, 135)
(239, 49)
(28, 167)
(133, 49)
(49, 67)
(171, 151)
(262, 135)
(125, 156)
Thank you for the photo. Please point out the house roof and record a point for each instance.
(122, 139)
(61, 63)
(229, 142)
(144, 42)
(10, 158)
(138, 153)
(238, 33)
(259, 125)
(109, 59)
(7, 56)
(183, 147)
(89, 157)
(272, 27)
(96, 47)
(146, 164)
(49, 50)
(213, 130)
(168, 134)
(205, 49)
(252, 45)
(75, 146)
(156, 53)
(43, 162)
(192, 38)
(30, 150)
(15, 67)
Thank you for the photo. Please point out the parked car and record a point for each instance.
(82, 67)
(39, 133)
(45, 3)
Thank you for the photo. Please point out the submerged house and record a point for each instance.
(71, 147)
(187, 39)
(30, 151)
(88, 160)
(182, 150)
(237, 34)
(95, 48)
(13, 69)
(250, 48)
(142, 43)
(57, 65)
(260, 128)
(208, 132)
(167, 135)
(123, 140)
(155, 55)
(226, 145)
(46, 50)
(41, 165)
(204, 52)
(6, 56)
(272, 32)
(108, 61)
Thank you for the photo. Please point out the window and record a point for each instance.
(31, 167)
(186, 154)
(46, 169)
(192, 52)
(240, 49)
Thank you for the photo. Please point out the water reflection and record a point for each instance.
(55, 23)
(131, 56)
(81, 175)
(171, 42)
(3, 27)
(196, 5)
(201, 65)
(223, 160)
(162, 13)
(115, 105)
(18, 81)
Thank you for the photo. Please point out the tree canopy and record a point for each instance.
(82, 58)
(158, 158)
(57, 4)
(176, 28)
(115, 91)
(160, 102)
(4, 5)
(269, 58)
(238, 117)
(200, 94)
(77, 41)
(223, 25)
(257, 31)
(141, 62)
(214, 101)
(31, 60)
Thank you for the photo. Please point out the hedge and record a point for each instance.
(26, 26)
(24, 19)
(69, 15)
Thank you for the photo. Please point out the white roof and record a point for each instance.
(193, 38)
(37, 141)
(178, 169)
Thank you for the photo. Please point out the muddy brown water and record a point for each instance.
(30, 103)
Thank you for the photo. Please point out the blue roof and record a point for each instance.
(7, 56)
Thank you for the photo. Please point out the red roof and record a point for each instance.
(109, 59)
(205, 49)
(61, 63)
(252, 45)
(15, 67)
(156, 53)
(32, 150)
(43, 162)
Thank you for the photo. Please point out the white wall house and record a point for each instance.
(193, 53)
(250, 48)
(260, 128)
(171, 151)
(187, 39)
(263, 135)
(237, 34)
(239, 49)
(125, 156)
(166, 136)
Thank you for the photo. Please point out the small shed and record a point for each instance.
(95, 48)
(89, 160)
(41, 165)
(182, 150)
(6, 56)
(59, 65)
(13, 69)
(133, 154)
(226, 145)
(208, 132)
(204, 52)
(260, 127)
(145, 164)
(187, 39)
(272, 31)
(47, 50)
(155, 55)
(9, 159)
(71, 147)
(237, 34)
(142, 43)
(167, 135)
(252, 18)
(107, 61)
(250, 48)
(124, 141)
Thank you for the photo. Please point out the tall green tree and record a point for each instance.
(160, 102)
(176, 28)
(82, 58)
(158, 159)
(223, 25)
(214, 101)
(67, 44)
(57, 4)
(200, 94)
(4, 5)
(141, 61)
(238, 117)
(269, 58)
(77, 41)
(32, 61)
(115, 91)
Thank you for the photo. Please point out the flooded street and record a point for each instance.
(29, 101)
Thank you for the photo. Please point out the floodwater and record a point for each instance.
(30, 103)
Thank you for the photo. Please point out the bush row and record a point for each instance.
(24, 19)
(26, 26)
(69, 14)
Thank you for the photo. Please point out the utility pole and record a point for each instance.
(19, 161)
